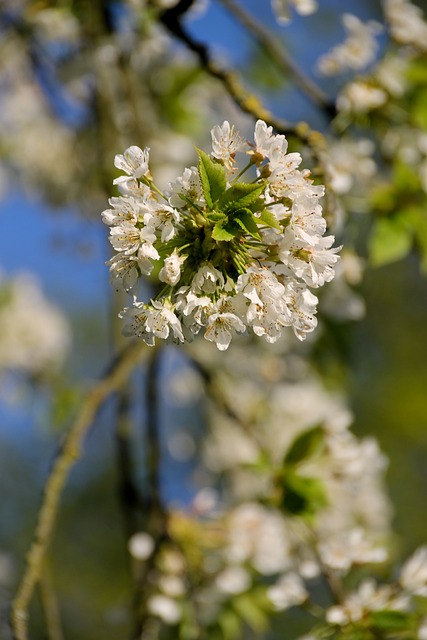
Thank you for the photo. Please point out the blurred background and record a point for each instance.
(79, 82)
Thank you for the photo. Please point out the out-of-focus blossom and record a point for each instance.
(282, 8)
(34, 334)
(360, 96)
(406, 22)
(357, 51)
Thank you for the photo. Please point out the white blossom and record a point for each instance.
(141, 545)
(302, 304)
(134, 161)
(368, 597)
(245, 268)
(288, 591)
(268, 145)
(360, 96)
(407, 23)
(164, 608)
(207, 280)
(34, 334)
(124, 270)
(357, 51)
(171, 270)
(124, 210)
(220, 328)
(233, 580)
(226, 141)
(413, 575)
(189, 185)
(343, 551)
(258, 535)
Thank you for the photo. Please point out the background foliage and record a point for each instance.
(79, 82)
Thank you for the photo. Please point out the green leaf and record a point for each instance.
(230, 624)
(221, 234)
(240, 196)
(214, 216)
(391, 240)
(247, 222)
(419, 108)
(303, 496)
(392, 620)
(269, 219)
(212, 177)
(405, 179)
(248, 609)
(305, 445)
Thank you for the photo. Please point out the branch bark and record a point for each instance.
(248, 102)
(70, 452)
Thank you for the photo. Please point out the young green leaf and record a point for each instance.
(230, 624)
(305, 446)
(391, 620)
(303, 496)
(246, 221)
(216, 217)
(240, 196)
(212, 177)
(269, 219)
(247, 608)
(221, 234)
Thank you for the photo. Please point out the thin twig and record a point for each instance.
(70, 452)
(50, 607)
(279, 56)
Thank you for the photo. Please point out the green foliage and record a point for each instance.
(305, 446)
(245, 219)
(212, 177)
(302, 495)
(268, 219)
(403, 223)
(241, 196)
(250, 609)
(391, 240)
(417, 218)
(231, 208)
(223, 234)
(392, 621)
(419, 109)
(230, 624)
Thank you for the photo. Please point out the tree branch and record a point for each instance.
(245, 100)
(50, 607)
(70, 452)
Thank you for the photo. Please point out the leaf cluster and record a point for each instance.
(231, 210)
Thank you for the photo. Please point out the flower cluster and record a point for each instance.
(232, 255)
(357, 51)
